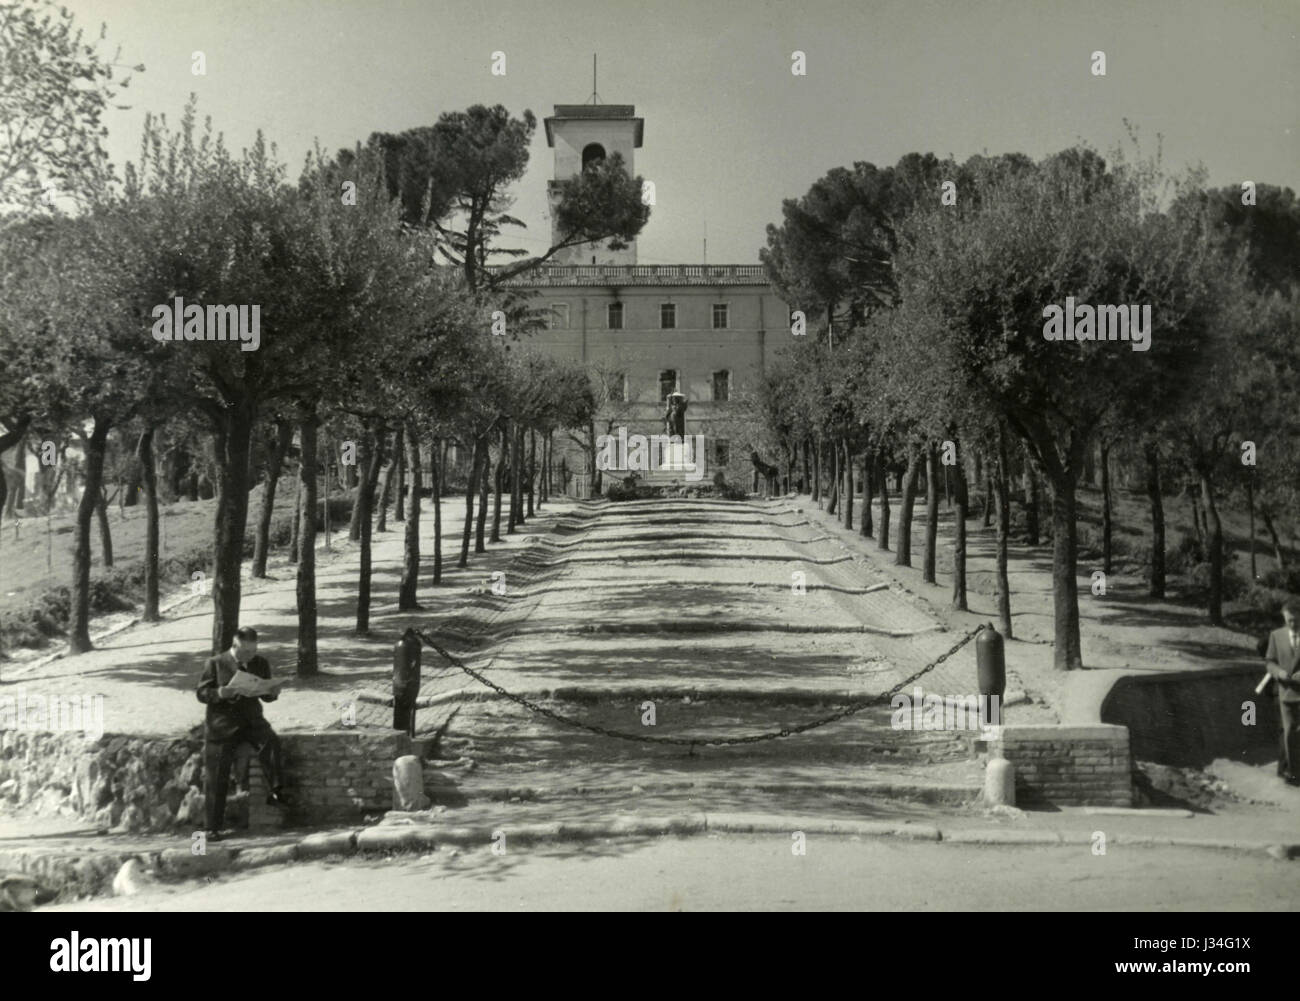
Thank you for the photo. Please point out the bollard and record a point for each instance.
(406, 681)
(999, 782)
(991, 672)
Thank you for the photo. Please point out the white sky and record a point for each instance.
(729, 131)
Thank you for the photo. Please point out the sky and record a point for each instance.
(730, 131)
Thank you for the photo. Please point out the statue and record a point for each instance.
(675, 416)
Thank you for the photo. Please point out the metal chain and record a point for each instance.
(691, 742)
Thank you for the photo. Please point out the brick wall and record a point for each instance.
(1070, 765)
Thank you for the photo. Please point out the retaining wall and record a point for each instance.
(129, 783)
(1070, 765)
(1189, 718)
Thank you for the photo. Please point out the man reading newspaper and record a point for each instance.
(231, 686)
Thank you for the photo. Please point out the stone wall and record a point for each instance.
(1070, 765)
(130, 783)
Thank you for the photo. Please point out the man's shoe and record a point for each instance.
(210, 835)
(277, 798)
(1292, 780)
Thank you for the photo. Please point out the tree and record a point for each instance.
(54, 90)
(978, 280)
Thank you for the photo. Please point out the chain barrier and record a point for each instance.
(691, 742)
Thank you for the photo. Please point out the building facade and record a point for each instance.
(647, 331)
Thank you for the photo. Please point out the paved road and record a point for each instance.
(733, 872)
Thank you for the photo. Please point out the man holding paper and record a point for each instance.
(1283, 664)
(231, 685)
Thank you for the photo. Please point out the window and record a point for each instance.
(667, 384)
(722, 385)
(668, 316)
(558, 316)
(719, 316)
(721, 451)
(616, 388)
(615, 315)
(593, 155)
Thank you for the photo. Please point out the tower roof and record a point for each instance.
(607, 112)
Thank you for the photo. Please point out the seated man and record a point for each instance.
(231, 719)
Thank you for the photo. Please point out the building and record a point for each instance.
(646, 331)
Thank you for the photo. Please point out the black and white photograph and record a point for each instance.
(659, 456)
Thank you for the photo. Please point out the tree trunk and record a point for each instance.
(270, 481)
(8, 440)
(411, 552)
(1107, 525)
(882, 536)
(532, 468)
(233, 444)
(961, 500)
(868, 528)
(386, 494)
(366, 500)
(903, 555)
(105, 532)
(297, 517)
(352, 481)
(832, 503)
(1250, 513)
(485, 488)
(399, 498)
(1002, 504)
(149, 475)
(513, 518)
(1269, 527)
(848, 486)
(517, 476)
(1067, 655)
(79, 624)
(807, 475)
(988, 493)
(499, 483)
(1214, 549)
(931, 513)
(1196, 515)
(471, 487)
(1157, 588)
(308, 664)
(329, 466)
(1031, 503)
(436, 465)
(817, 473)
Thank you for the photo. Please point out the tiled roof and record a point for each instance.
(563, 275)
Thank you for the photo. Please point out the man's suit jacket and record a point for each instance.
(1283, 654)
(226, 717)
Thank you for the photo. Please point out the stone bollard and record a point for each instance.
(408, 784)
(999, 782)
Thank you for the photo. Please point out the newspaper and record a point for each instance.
(248, 684)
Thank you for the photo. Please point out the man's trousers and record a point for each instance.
(1289, 763)
(219, 755)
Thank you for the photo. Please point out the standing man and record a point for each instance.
(1283, 664)
(233, 718)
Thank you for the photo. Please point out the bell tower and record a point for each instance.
(583, 135)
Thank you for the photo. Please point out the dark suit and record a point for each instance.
(228, 723)
(1283, 662)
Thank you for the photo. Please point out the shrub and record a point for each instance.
(1281, 580)
(1188, 554)
(1235, 584)
(1266, 601)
